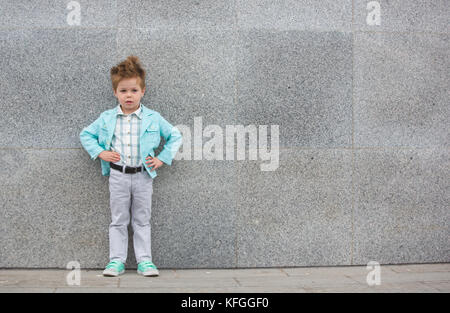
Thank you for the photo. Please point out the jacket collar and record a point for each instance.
(146, 111)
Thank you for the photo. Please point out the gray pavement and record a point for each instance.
(433, 278)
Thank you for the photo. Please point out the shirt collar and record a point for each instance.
(138, 112)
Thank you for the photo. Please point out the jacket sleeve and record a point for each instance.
(89, 139)
(173, 140)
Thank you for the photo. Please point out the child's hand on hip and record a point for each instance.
(109, 156)
(153, 162)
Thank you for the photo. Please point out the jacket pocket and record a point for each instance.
(152, 128)
(152, 131)
(151, 138)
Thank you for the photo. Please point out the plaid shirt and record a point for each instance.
(126, 137)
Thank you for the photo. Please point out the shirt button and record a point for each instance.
(128, 145)
(128, 133)
(129, 157)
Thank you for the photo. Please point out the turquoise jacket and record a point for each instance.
(97, 137)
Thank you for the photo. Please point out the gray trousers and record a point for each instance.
(130, 191)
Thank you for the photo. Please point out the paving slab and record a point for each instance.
(420, 268)
(32, 278)
(413, 278)
(440, 286)
(332, 272)
(155, 283)
(387, 277)
(265, 272)
(112, 290)
(26, 290)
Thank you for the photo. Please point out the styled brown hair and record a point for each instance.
(130, 68)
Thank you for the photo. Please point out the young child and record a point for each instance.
(124, 139)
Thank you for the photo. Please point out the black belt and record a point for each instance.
(128, 169)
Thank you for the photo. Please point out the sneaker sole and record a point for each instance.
(148, 274)
(112, 274)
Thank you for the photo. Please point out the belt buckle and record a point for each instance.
(131, 170)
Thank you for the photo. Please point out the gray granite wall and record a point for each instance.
(362, 109)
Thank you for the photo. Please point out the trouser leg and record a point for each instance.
(141, 206)
(120, 201)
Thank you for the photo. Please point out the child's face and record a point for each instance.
(129, 94)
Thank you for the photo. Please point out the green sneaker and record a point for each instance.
(114, 268)
(147, 268)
